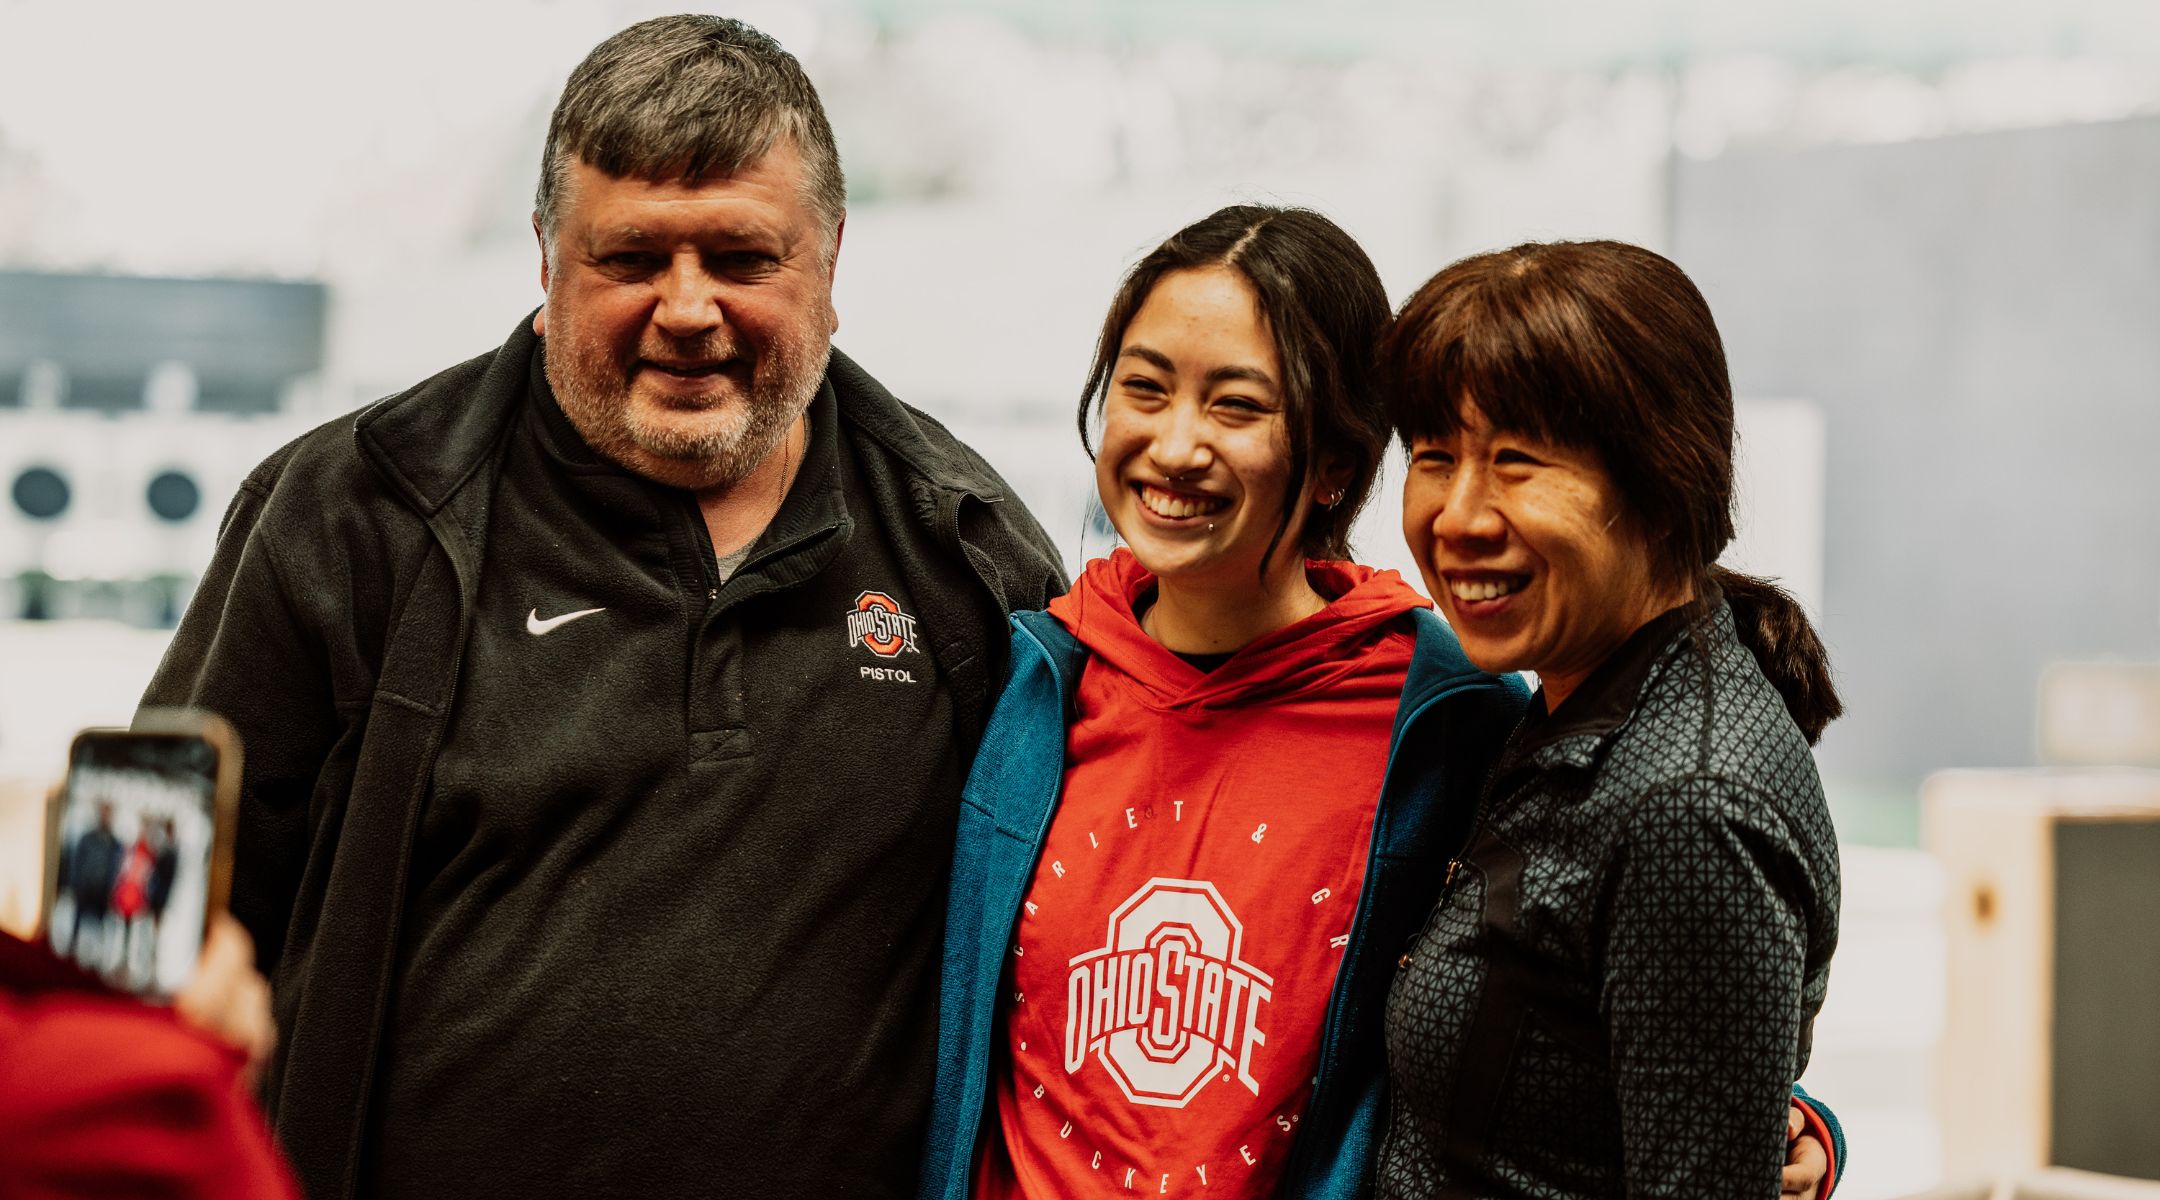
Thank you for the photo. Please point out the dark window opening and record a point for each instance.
(41, 493)
(173, 496)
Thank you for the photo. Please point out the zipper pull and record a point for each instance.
(1453, 864)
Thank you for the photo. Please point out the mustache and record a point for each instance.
(705, 348)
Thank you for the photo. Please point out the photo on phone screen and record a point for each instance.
(134, 837)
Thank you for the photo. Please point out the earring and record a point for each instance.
(1331, 499)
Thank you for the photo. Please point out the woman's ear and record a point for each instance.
(1331, 480)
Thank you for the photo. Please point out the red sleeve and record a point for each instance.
(1819, 1129)
(104, 1095)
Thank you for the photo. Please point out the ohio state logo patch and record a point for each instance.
(1168, 1002)
(877, 624)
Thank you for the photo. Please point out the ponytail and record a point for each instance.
(1773, 628)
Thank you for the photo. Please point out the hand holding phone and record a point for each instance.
(139, 848)
(227, 998)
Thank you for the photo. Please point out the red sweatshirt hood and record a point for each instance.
(1300, 657)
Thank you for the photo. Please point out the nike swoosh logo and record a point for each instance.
(537, 627)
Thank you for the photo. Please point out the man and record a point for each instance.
(87, 873)
(607, 697)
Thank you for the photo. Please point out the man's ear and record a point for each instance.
(540, 318)
(832, 272)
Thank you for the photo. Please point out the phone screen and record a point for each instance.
(133, 838)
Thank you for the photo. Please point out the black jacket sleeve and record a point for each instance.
(243, 652)
(1704, 950)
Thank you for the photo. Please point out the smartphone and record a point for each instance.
(139, 847)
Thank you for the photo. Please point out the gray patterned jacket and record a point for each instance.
(1616, 989)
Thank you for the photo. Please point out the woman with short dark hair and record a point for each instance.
(1618, 982)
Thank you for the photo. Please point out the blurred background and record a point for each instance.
(1930, 232)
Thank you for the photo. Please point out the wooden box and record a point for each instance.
(2051, 1043)
(2051, 1184)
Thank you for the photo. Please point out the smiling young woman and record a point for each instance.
(1193, 468)
(1161, 965)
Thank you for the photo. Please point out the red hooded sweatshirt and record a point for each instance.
(104, 1095)
(1182, 931)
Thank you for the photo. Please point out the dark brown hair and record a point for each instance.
(688, 97)
(1607, 348)
(1325, 308)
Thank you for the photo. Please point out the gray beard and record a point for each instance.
(596, 398)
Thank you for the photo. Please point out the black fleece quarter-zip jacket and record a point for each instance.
(1616, 988)
(330, 629)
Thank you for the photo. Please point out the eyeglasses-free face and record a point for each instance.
(1523, 545)
(1195, 452)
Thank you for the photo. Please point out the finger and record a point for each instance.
(254, 1007)
(209, 990)
(262, 1042)
(225, 997)
(1808, 1155)
(1794, 1122)
(1805, 1168)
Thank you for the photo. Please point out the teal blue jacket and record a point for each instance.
(1452, 721)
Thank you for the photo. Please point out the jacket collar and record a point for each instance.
(1437, 666)
(431, 439)
(945, 463)
(1062, 652)
(1575, 733)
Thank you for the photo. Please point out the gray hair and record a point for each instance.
(688, 97)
